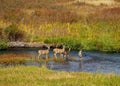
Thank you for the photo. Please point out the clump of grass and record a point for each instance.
(60, 60)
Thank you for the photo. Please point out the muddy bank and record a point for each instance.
(28, 45)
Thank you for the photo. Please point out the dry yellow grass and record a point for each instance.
(98, 2)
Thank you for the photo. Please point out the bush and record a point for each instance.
(3, 44)
(14, 33)
(72, 43)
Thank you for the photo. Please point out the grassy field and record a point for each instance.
(35, 76)
(74, 24)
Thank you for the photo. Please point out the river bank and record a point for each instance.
(27, 45)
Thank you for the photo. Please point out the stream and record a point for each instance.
(92, 61)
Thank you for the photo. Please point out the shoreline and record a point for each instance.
(29, 45)
(18, 44)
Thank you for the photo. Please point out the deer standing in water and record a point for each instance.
(44, 52)
(80, 54)
(58, 51)
(66, 52)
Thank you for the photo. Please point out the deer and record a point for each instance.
(80, 54)
(58, 51)
(44, 52)
(67, 52)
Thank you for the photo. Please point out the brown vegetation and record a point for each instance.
(38, 11)
(107, 14)
(14, 58)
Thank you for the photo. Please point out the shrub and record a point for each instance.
(14, 33)
(3, 44)
(72, 43)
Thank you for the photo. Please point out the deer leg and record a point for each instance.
(46, 56)
(55, 55)
(61, 55)
(38, 56)
(68, 55)
(65, 55)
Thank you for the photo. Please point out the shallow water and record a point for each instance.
(92, 61)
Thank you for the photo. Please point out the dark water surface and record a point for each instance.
(91, 62)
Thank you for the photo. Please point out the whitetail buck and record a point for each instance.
(58, 51)
(80, 54)
(44, 52)
(66, 52)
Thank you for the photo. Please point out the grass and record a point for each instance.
(77, 26)
(15, 59)
(91, 36)
(35, 76)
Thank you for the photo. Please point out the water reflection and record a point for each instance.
(80, 65)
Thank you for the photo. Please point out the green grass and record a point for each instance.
(35, 76)
(102, 36)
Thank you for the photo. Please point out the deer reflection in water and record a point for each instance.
(80, 65)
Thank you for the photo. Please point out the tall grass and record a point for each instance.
(100, 35)
(35, 76)
(76, 26)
